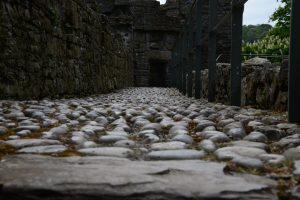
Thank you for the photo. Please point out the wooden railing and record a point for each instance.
(192, 38)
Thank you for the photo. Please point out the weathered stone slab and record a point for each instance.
(44, 149)
(179, 154)
(21, 143)
(107, 151)
(35, 177)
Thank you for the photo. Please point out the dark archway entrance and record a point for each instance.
(158, 71)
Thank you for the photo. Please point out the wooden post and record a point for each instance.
(180, 71)
(176, 65)
(198, 68)
(212, 45)
(173, 67)
(189, 56)
(236, 48)
(294, 62)
(184, 60)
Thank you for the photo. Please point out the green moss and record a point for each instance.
(284, 188)
(191, 127)
(6, 150)
(35, 134)
(232, 167)
(10, 132)
(210, 157)
(135, 138)
(68, 153)
(197, 139)
(276, 149)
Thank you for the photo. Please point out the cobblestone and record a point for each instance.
(143, 124)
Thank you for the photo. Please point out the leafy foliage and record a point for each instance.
(271, 44)
(262, 39)
(252, 33)
(282, 18)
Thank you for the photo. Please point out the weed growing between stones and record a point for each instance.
(68, 153)
(275, 149)
(283, 175)
(234, 168)
(210, 157)
(284, 188)
(5, 137)
(36, 134)
(191, 126)
(6, 150)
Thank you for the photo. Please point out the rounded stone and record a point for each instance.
(176, 132)
(111, 138)
(22, 143)
(108, 151)
(101, 120)
(38, 114)
(228, 153)
(224, 122)
(29, 127)
(23, 133)
(254, 124)
(236, 133)
(3, 130)
(246, 162)
(89, 144)
(286, 126)
(289, 141)
(13, 137)
(256, 137)
(59, 131)
(78, 140)
(177, 117)
(273, 134)
(243, 143)
(152, 126)
(43, 149)
(215, 136)
(142, 133)
(272, 159)
(292, 153)
(26, 123)
(232, 125)
(183, 138)
(82, 119)
(203, 124)
(209, 128)
(92, 115)
(208, 146)
(184, 154)
(125, 143)
(150, 138)
(168, 145)
(117, 133)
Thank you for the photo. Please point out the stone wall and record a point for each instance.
(264, 85)
(52, 48)
(150, 30)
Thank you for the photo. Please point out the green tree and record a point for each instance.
(282, 18)
(252, 33)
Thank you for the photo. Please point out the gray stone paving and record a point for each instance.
(146, 142)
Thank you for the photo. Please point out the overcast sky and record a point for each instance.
(256, 11)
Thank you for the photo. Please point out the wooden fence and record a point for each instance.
(192, 38)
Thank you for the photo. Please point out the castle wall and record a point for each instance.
(52, 48)
(150, 32)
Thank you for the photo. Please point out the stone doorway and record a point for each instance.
(158, 71)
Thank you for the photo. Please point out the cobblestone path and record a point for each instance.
(145, 143)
